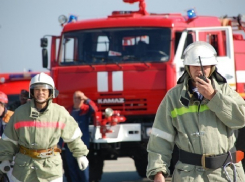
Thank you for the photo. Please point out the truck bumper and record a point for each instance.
(120, 133)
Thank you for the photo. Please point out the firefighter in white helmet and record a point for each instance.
(199, 115)
(33, 132)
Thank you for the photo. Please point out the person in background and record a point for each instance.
(199, 115)
(23, 97)
(4, 119)
(4, 113)
(82, 111)
(33, 132)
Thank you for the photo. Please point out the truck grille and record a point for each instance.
(128, 105)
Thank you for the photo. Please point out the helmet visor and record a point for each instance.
(40, 86)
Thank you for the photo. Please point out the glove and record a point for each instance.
(5, 166)
(82, 162)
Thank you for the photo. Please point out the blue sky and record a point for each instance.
(24, 22)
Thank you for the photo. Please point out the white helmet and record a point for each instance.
(203, 49)
(45, 80)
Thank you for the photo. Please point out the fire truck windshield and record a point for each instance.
(120, 45)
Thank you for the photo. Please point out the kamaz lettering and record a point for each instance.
(110, 101)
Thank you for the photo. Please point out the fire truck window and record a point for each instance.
(141, 48)
(146, 46)
(218, 41)
(137, 45)
(70, 53)
(102, 44)
(86, 48)
(176, 42)
(120, 45)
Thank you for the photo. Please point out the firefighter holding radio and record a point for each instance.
(33, 132)
(199, 115)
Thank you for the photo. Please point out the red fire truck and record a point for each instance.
(129, 60)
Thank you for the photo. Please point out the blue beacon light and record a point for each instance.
(191, 14)
(72, 18)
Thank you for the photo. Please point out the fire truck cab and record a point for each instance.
(128, 61)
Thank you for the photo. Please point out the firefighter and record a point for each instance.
(199, 115)
(4, 113)
(33, 132)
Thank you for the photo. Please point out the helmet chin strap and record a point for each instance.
(188, 71)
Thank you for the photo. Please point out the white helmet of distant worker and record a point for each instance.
(45, 81)
(206, 52)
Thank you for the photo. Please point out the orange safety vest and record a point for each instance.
(7, 116)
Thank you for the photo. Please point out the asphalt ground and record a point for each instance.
(121, 170)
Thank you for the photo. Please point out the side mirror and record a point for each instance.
(44, 45)
(44, 42)
(45, 57)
